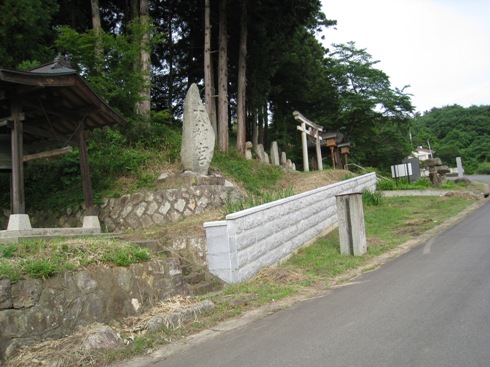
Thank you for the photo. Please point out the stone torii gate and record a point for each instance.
(309, 128)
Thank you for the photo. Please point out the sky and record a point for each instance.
(441, 48)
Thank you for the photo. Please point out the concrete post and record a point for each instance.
(92, 222)
(460, 167)
(352, 230)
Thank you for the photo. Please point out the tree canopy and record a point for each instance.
(455, 131)
(287, 68)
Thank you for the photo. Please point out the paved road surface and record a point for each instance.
(481, 178)
(429, 307)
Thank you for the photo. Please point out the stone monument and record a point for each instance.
(198, 136)
(437, 171)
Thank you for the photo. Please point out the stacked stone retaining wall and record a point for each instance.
(249, 240)
(139, 210)
(33, 310)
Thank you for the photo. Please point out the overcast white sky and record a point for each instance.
(440, 47)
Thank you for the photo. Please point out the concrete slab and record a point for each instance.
(19, 228)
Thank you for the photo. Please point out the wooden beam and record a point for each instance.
(18, 198)
(85, 172)
(5, 120)
(67, 114)
(48, 134)
(48, 154)
(46, 144)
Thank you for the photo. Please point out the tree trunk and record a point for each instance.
(261, 121)
(223, 78)
(143, 107)
(170, 79)
(96, 26)
(255, 132)
(209, 100)
(242, 81)
(135, 9)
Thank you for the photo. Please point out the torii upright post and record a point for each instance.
(305, 149)
(314, 131)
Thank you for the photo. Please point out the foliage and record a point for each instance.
(234, 165)
(451, 185)
(25, 32)
(301, 83)
(121, 162)
(403, 184)
(255, 200)
(44, 258)
(120, 80)
(456, 131)
(372, 198)
(483, 168)
(372, 114)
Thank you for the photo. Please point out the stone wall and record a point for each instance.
(249, 240)
(139, 210)
(33, 310)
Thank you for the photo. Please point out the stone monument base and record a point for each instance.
(170, 180)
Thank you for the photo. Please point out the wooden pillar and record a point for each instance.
(18, 197)
(331, 143)
(85, 172)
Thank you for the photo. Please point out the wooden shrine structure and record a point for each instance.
(45, 108)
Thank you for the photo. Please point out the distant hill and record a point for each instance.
(455, 131)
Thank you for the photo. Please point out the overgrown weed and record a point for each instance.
(45, 257)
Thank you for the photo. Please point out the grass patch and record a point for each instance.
(46, 257)
(388, 225)
(421, 184)
(251, 201)
(255, 176)
(372, 198)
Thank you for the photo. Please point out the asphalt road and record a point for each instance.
(429, 307)
(481, 178)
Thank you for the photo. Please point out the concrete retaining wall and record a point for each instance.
(249, 240)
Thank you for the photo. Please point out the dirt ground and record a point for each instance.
(301, 182)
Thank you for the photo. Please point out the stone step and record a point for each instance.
(205, 287)
(194, 278)
(154, 246)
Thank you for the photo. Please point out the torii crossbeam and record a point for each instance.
(309, 128)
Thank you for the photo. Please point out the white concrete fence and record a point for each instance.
(251, 239)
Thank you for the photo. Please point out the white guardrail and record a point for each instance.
(247, 241)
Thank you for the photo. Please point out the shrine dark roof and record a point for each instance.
(55, 101)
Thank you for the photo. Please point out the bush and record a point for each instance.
(403, 184)
(372, 198)
(483, 168)
(386, 184)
